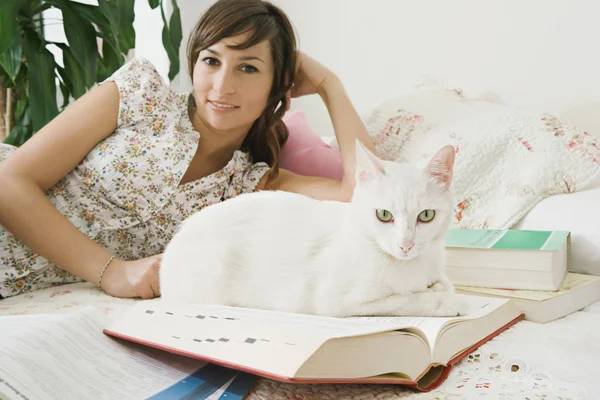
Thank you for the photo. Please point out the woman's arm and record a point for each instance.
(347, 125)
(42, 161)
(312, 77)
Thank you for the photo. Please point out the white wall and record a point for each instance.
(535, 53)
(148, 40)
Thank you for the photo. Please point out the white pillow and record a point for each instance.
(575, 212)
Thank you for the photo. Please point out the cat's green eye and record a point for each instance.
(426, 215)
(384, 215)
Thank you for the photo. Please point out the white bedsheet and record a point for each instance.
(558, 359)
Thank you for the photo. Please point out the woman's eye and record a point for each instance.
(384, 215)
(249, 68)
(426, 215)
(210, 61)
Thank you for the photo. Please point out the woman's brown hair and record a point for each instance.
(265, 21)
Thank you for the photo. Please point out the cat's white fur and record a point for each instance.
(288, 252)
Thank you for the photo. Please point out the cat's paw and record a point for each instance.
(437, 287)
(452, 306)
(442, 284)
(442, 304)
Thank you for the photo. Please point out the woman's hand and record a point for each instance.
(311, 77)
(314, 77)
(133, 278)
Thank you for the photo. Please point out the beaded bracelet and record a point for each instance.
(102, 272)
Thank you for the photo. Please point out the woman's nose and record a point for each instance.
(224, 82)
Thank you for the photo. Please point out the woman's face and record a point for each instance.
(231, 87)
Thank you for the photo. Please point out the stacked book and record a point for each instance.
(529, 267)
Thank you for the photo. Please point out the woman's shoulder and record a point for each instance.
(140, 77)
(143, 92)
(138, 69)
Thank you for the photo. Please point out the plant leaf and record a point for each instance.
(5, 79)
(108, 10)
(64, 77)
(66, 87)
(41, 82)
(22, 129)
(92, 13)
(168, 46)
(81, 37)
(66, 94)
(10, 60)
(109, 63)
(101, 16)
(20, 108)
(74, 72)
(175, 34)
(127, 38)
(153, 3)
(96, 16)
(171, 38)
(18, 135)
(19, 81)
(8, 21)
(120, 14)
(30, 8)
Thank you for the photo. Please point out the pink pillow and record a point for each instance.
(305, 153)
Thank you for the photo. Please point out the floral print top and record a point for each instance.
(125, 194)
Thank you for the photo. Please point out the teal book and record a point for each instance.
(507, 259)
(506, 239)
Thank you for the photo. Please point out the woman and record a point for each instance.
(97, 193)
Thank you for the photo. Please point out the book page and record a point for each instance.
(267, 342)
(328, 326)
(432, 326)
(426, 327)
(68, 357)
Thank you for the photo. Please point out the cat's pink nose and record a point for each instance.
(406, 246)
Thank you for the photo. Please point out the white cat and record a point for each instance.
(380, 254)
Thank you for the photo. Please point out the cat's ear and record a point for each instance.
(368, 166)
(440, 167)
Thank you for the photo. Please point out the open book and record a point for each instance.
(417, 352)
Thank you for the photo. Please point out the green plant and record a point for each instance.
(29, 68)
